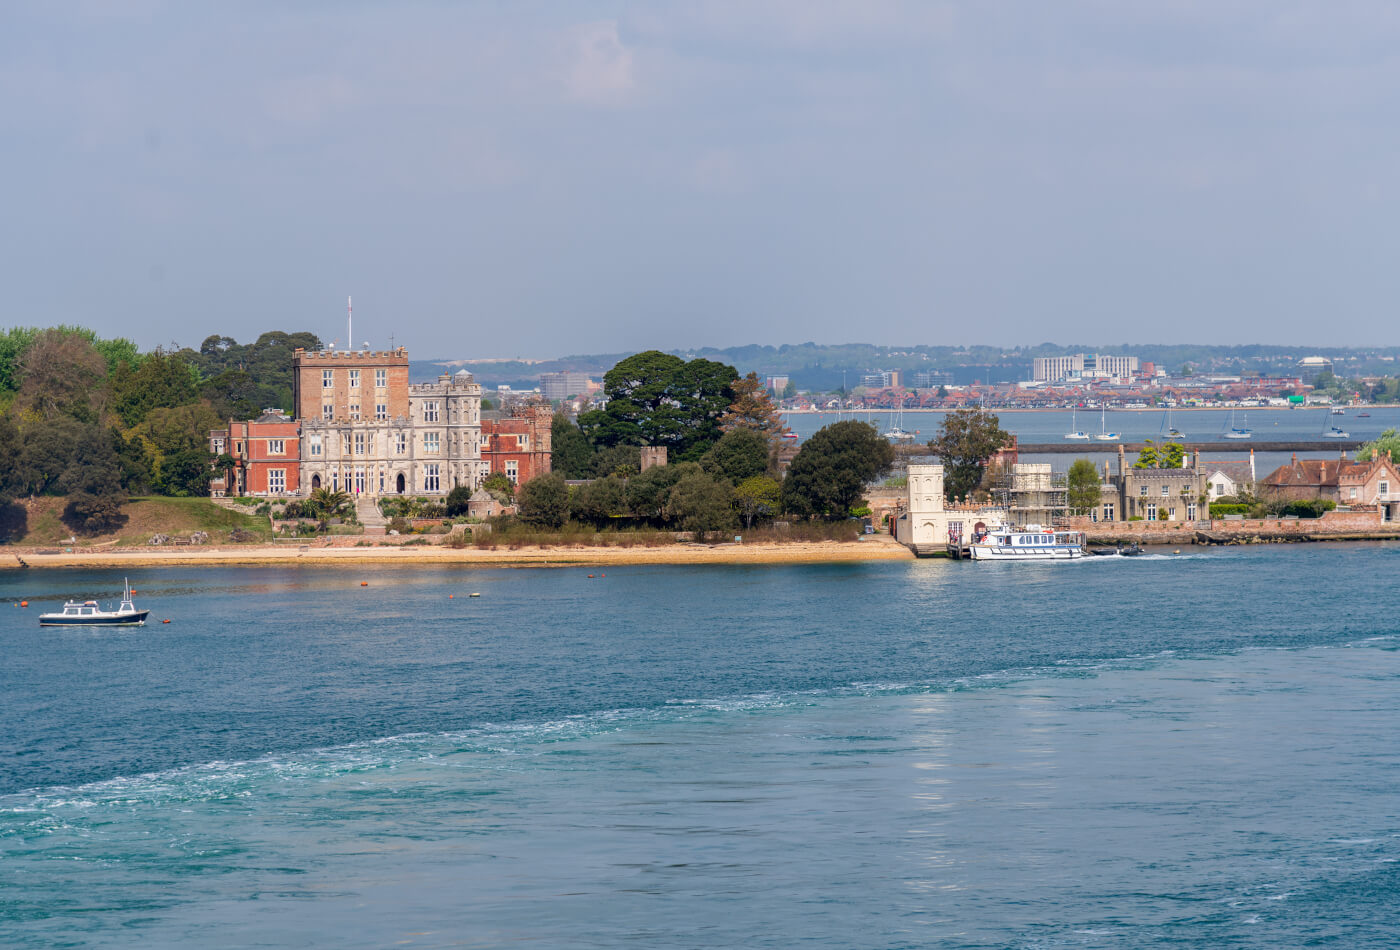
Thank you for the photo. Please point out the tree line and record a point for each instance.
(99, 421)
(723, 438)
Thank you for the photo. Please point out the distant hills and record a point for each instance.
(821, 367)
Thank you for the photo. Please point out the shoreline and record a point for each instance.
(870, 548)
(835, 412)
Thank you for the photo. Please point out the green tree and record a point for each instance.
(93, 514)
(830, 471)
(600, 501)
(621, 460)
(1083, 486)
(457, 500)
(328, 503)
(701, 504)
(1147, 457)
(498, 483)
(739, 454)
(1389, 442)
(571, 454)
(757, 497)
(1166, 455)
(658, 399)
(648, 494)
(160, 381)
(964, 443)
(544, 501)
(789, 390)
(62, 374)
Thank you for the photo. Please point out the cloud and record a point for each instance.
(600, 67)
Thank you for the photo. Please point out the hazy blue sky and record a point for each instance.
(536, 179)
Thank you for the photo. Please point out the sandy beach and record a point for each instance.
(869, 548)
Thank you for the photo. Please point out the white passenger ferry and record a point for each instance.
(1029, 543)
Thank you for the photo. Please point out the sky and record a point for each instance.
(537, 179)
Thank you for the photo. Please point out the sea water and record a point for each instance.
(1166, 751)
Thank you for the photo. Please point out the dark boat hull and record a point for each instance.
(136, 619)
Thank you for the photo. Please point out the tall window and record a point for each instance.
(1166, 491)
(369, 442)
(381, 411)
(1191, 511)
(432, 481)
(432, 444)
(314, 446)
(360, 481)
(1384, 489)
(354, 379)
(400, 443)
(345, 444)
(218, 446)
(327, 379)
(524, 442)
(328, 412)
(276, 447)
(335, 481)
(513, 471)
(359, 443)
(277, 480)
(430, 411)
(381, 378)
(1108, 512)
(355, 411)
(1152, 512)
(1219, 489)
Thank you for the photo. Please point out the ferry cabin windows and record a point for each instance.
(354, 379)
(400, 443)
(327, 379)
(432, 480)
(381, 378)
(513, 471)
(381, 411)
(276, 447)
(313, 446)
(277, 480)
(430, 411)
(432, 443)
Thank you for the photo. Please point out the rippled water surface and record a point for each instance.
(1175, 750)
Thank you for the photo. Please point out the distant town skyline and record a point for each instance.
(592, 177)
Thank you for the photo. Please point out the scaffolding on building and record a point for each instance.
(1033, 495)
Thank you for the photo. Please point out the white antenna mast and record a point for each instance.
(349, 323)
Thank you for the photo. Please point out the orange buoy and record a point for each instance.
(450, 596)
(24, 603)
(602, 575)
(167, 620)
(364, 583)
(590, 575)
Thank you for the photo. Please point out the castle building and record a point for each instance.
(518, 444)
(366, 430)
(265, 455)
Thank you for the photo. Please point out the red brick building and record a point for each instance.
(266, 454)
(517, 444)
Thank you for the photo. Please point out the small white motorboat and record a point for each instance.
(88, 613)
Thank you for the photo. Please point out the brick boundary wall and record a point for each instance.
(1357, 523)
